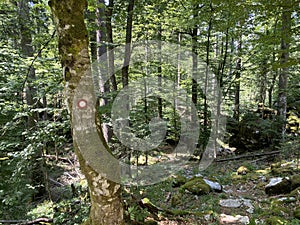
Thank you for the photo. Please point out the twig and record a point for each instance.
(35, 57)
(56, 182)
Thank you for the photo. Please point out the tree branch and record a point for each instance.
(36, 56)
(23, 222)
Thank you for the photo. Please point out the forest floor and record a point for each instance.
(243, 199)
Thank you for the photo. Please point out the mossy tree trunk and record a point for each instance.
(106, 205)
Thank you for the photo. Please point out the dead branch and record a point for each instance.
(249, 156)
(23, 222)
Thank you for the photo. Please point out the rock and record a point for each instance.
(238, 219)
(197, 186)
(295, 181)
(278, 186)
(213, 185)
(247, 203)
(176, 199)
(287, 199)
(236, 203)
(242, 170)
(231, 203)
(179, 180)
(297, 213)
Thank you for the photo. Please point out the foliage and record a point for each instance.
(220, 26)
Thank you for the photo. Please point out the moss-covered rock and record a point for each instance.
(275, 220)
(282, 171)
(176, 199)
(295, 181)
(242, 170)
(278, 186)
(297, 213)
(179, 180)
(197, 186)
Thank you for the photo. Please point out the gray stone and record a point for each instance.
(231, 203)
(213, 185)
(287, 199)
(236, 203)
(247, 203)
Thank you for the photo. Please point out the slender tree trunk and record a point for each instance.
(159, 70)
(106, 205)
(236, 113)
(101, 38)
(111, 55)
(205, 113)
(195, 57)
(274, 72)
(263, 82)
(125, 68)
(37, 176)
(284, 73)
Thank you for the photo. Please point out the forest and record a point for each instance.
(170, 112)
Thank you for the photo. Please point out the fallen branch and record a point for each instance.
(56, 182)
(23, 222)
(249, 156)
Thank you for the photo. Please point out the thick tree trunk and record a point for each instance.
(73, 45)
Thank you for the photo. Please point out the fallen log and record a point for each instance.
(24, 222)
(249, 156)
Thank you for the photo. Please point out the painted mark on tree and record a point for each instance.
(82, 104)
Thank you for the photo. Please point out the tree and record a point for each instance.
(106, 207)
(127, 53)
(284, 73)
(37, 176)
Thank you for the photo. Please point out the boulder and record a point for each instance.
(278, 186)
(295, 181)
(179, 180)
(197, 186)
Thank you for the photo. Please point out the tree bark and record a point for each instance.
(106, 206)
(236, 113)
(111, 54)
(101, 38)
(284, 73)
(125, 68)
